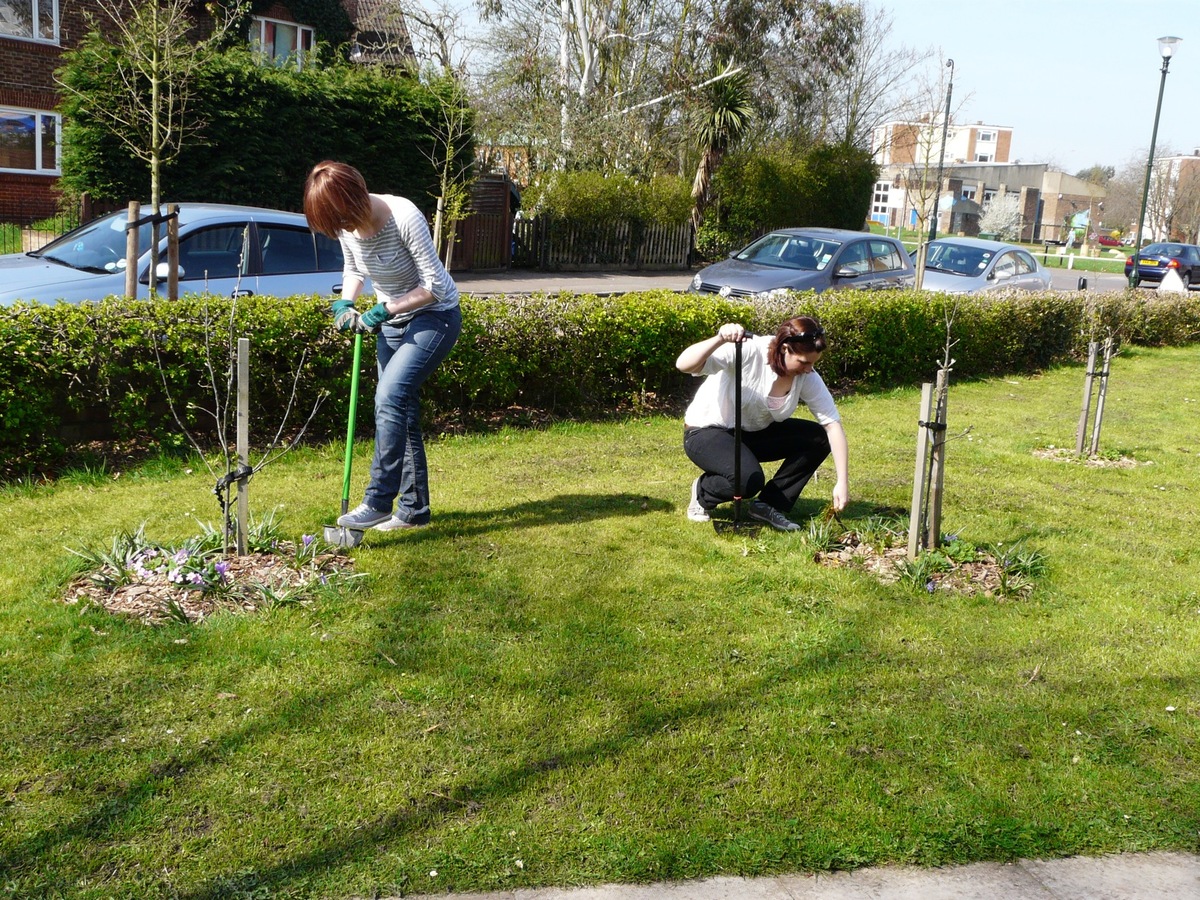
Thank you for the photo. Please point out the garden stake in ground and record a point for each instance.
(925, 519)
(1088, 383)
(1100, 397)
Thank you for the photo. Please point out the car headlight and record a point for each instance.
(696, 282)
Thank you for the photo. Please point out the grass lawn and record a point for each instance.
(564, 681)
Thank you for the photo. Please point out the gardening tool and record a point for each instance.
(341, 535)
(736, 525)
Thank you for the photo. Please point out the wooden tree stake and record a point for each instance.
(916, 521)
(131, 249)
(1103, 392)
(1081, 431)
(243, 441)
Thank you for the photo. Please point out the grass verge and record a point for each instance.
(564, 681)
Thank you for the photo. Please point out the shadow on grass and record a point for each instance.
(562, 509)
(124, 806)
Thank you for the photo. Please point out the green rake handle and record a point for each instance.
(358, 342)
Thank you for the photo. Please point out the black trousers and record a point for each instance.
(801, 443)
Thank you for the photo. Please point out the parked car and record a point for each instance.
(972, 266)
(1156, 260)
(1107, 240)
(223, 250)
(809, 259)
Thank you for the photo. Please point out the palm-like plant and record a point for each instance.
(725, 116)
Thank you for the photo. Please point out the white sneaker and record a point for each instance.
(362, 516)
(695, 511)
(773, 517)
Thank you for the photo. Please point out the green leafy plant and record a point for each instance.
(918, 573)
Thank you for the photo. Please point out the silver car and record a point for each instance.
(971, 266)
(809, 259)
(223, 250)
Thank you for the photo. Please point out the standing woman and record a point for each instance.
(777, 376)
(417, 317)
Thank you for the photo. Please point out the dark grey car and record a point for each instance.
(809, 259)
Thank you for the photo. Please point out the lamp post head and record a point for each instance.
(1167, 46)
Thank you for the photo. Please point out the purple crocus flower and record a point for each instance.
(307, 540)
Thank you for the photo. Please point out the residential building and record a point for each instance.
(34, 34)
(975, 170)
(920, 143)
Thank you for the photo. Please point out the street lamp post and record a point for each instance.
(942, 155)
(1166, 49)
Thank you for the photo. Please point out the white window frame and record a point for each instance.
(986, 137)
(40, 117)
(258, 40)
(35, 9)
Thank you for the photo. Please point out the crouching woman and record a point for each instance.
(778, 374)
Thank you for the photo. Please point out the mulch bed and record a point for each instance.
(252, 582)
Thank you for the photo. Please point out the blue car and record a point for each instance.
(223, 250)
(1156, 260)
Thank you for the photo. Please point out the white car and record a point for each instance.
(971, 266)
(223, 250)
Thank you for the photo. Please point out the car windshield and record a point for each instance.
(957, 259)
(790, 251)
(96, 247)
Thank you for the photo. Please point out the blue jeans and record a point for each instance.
(407, 356)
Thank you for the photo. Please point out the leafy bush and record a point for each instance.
(571, 355)
(584, 198)
(828, 186)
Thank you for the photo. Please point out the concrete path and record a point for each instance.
(1129, 876)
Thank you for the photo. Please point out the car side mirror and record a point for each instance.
(845, 272)
(1001, 276)
(163, 272)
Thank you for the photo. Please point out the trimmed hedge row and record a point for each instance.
(66, 371)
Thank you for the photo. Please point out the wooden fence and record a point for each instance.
(548, 244)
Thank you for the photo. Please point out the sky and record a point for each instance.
(1076, 80)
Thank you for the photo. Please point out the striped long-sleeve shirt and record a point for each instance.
(400, 257)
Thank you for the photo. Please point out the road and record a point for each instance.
(525, 281)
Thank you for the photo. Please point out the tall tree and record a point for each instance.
(151, 50)
(723, 119)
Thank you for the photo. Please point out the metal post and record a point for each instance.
(942, 156)
(1137, 245)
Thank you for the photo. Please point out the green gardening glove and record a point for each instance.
(345, 316)
(374, 317)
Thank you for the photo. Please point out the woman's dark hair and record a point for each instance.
(803, 334)
(336, 198)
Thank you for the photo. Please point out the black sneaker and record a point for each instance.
(773, 517)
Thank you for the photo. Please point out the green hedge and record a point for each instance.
(572, 355)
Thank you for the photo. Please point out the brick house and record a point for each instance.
(35, 33)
